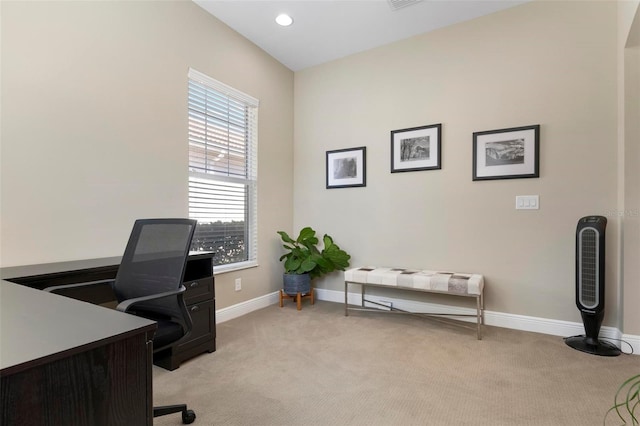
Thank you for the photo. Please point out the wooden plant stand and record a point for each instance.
(297, 296)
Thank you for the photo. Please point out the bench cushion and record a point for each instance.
(446, 282)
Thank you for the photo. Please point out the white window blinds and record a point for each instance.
(223, 139)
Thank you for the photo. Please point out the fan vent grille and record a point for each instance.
(588, 264)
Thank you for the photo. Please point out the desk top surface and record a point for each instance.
(38, 327)
(24, 271)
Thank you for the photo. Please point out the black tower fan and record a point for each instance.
(590, 286)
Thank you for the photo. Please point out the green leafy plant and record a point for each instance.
(304, 257)
(627, 402)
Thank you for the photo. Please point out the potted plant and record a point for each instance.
(627, 401)
(305, 261)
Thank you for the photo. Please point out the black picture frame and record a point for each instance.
(346, 168)
(512, 153)
(416, 148)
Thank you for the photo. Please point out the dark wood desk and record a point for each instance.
(67, 362)
(198, 279)
(58, 273)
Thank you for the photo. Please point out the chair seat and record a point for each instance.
(168, 332)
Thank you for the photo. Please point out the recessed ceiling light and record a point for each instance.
(284, 20)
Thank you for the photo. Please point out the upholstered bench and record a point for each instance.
(456, 284)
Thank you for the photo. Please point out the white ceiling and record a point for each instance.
(324, 30)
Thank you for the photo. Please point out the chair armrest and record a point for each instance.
(125, 305)
(57, 288)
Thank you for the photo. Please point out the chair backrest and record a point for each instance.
(154, 262)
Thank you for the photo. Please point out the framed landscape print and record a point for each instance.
(416, 148)
(507, 153)
(347, 167)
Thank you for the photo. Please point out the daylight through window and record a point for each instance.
(223, 139)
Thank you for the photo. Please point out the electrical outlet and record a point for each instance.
(238, 284)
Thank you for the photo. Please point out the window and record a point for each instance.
(223, 170)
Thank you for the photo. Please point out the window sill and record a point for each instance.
(221, 269)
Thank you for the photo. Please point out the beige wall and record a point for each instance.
(547, 63)
(629, 71)
(93, 130)
(94, 127)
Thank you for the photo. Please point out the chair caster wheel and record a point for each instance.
(188, 417)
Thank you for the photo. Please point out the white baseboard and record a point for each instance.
(243, 308)
(497, 319)
(633, 341)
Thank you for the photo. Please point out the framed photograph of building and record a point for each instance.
(416, 148)
(347, 167)
(507, 153)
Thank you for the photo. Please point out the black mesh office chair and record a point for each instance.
(149, 284)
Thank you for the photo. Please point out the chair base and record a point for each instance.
(188, 416)
(298, 297)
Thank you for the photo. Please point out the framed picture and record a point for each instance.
(507, 153)
(416, 148)
(347, 167)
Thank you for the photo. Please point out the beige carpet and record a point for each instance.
(280, 366)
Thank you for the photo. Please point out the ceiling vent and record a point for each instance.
(399, 4)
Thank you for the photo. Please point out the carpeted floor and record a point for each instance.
(280, 366)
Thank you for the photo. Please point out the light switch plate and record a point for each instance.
(527, 202)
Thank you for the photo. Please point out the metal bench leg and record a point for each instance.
(346, 305)
(479, 316)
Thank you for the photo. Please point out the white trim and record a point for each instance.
(497, 319)
(243, 308)
(634, 341)
(223, 88)
(237, 266)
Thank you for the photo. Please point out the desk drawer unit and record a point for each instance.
(199, 290)
(201, 302)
